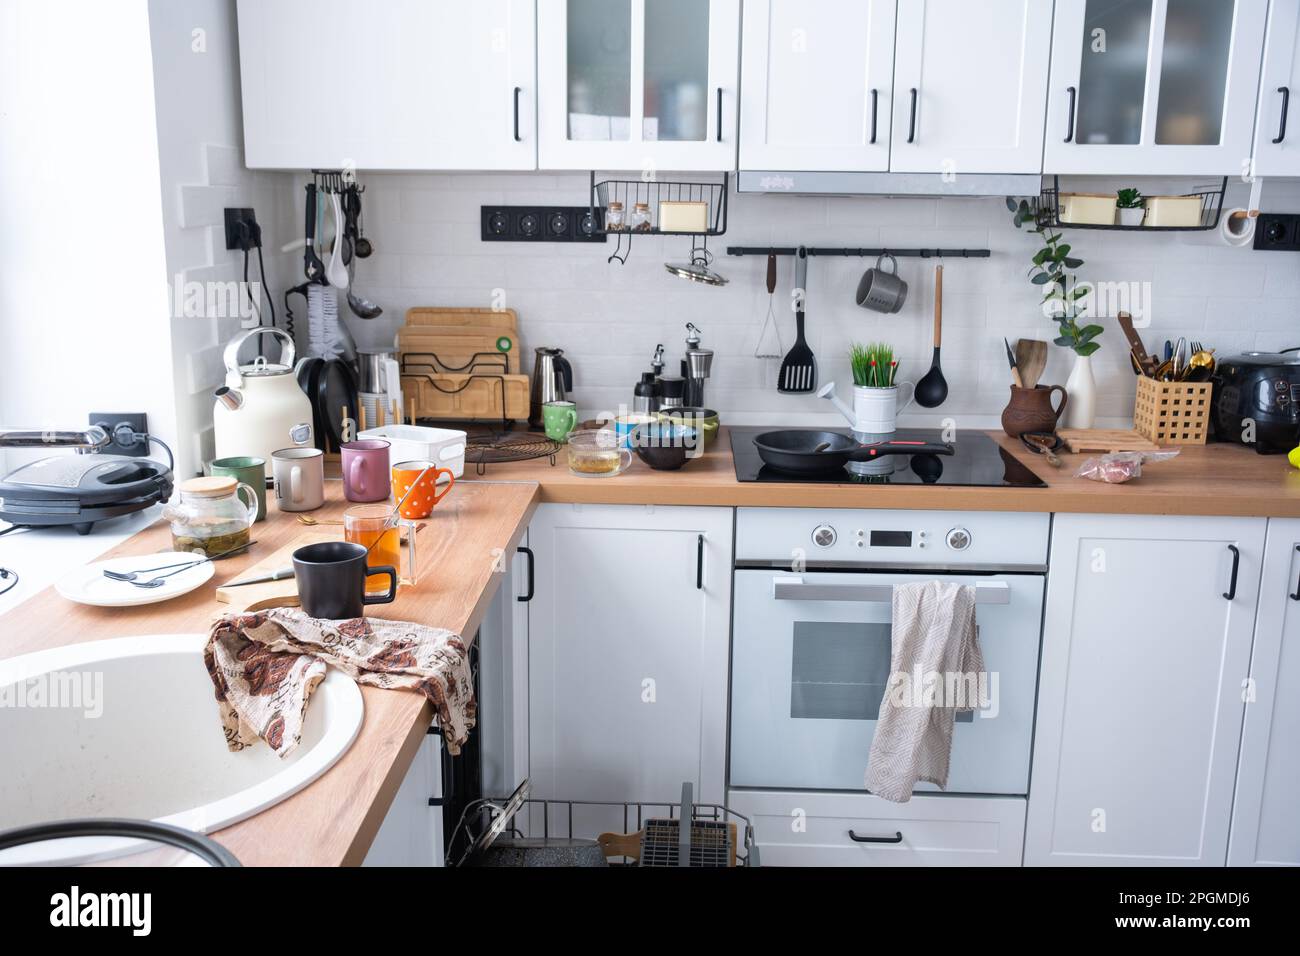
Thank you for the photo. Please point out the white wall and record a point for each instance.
(200, 144)
(83, 293)
(609, 317)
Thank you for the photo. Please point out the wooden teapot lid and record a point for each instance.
(213, 486)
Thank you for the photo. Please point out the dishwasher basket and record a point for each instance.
(717, 836)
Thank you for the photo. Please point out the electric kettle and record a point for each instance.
(261, 408)
(552, 381)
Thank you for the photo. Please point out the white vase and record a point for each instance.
(1081, 388)
(1132, 216)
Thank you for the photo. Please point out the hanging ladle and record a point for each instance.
(932, 389)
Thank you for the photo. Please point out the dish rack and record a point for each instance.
(717, 837)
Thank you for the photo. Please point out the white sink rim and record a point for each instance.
(337, 739)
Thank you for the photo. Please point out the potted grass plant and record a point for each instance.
(875, 388)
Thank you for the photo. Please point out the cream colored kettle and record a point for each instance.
(261, 408)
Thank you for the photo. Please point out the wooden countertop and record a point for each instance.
(1203, 480)
(334, 820)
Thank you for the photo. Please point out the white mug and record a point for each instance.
(299, 475)
(875, 410)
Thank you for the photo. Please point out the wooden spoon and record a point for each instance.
(1031, 359)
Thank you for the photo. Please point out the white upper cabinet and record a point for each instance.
(637, 84)
(818, 82)
(1277, 144)
(402, 84)
(1154, 87)
(969, 86)
(1265, 824)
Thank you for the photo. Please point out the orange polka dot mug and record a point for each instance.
(423, 498)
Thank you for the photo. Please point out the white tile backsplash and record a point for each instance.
(609, 317)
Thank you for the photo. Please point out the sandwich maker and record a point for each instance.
(80, 490)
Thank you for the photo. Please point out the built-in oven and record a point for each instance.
(812, 641)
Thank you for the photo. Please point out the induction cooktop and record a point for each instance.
(977, 462)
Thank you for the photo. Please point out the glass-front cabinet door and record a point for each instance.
(1153, 86)
(637, 84)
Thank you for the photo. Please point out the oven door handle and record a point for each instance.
(794, 588)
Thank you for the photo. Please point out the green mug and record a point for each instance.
(251, 471)
(559, 418)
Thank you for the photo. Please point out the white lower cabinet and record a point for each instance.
(1146, 650)
(858, 829)
(1266, 811)
(627, 662)
(411, 834)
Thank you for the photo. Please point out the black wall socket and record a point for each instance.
(1278, 232)
(539, 224)
(233, 217)
(110, 420)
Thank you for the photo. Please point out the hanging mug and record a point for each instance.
(882, 291)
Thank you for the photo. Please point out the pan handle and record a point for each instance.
(895, 447)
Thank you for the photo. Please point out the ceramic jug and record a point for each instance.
(1030, 410)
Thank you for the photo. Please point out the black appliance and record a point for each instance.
(1257, 400)
(80, 489)
(977, 461)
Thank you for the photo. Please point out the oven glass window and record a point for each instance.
(839, 671)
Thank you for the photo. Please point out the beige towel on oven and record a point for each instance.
(935, 652)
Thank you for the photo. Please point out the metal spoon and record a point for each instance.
(362, 308)
(130, 576)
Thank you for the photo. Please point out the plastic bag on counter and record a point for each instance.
(1120, 466)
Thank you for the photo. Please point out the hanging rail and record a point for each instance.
(861, 252)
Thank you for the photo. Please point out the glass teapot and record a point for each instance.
(214, 515)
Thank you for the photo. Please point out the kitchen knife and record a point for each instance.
(273, 576)
(1144, 360)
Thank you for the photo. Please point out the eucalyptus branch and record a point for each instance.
(1050, 268)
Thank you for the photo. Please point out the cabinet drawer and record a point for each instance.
(812, 829)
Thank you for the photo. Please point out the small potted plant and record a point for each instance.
(1131, 205)
(875, 390)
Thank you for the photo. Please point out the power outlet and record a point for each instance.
(110, 421)
(1278, 232)
(234, 218)
(539, 224)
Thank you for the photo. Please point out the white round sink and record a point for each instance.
(129, 728)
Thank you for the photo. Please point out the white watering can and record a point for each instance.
(875, 410)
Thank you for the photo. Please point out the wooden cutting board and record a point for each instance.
(484, 318)
(1105, 440)
(456, 346)
(283, 593)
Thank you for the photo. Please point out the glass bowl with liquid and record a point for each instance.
(597, 453)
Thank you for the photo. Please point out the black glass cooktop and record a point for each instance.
(977, 461)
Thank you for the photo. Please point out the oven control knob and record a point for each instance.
(823, 536)
(959, 539)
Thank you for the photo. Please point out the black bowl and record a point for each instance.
(664, 446)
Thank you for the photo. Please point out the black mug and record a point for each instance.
(331, 580)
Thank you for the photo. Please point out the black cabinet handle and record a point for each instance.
(875, 95)
(896, 838)
(1231, 593)
(525, 598)
(1286, 103)
(719, 114)
(911, 120)
(699, 563)
(1069, 120)
(1296, 596)
(518, 138)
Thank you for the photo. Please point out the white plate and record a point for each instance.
(87, 585)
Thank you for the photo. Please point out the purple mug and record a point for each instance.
(365, 470)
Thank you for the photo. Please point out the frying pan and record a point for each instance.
(797, 451)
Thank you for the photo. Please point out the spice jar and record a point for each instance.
(614, 217)
(213, 516)
(641, 217)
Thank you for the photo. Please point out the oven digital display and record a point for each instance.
(891, 539)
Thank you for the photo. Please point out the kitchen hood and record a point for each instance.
(888, 184)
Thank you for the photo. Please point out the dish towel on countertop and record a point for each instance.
(934, 633)
(266, 664)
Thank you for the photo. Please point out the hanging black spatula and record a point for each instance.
(799, 367)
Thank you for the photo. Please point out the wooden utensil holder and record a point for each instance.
(1172, 413)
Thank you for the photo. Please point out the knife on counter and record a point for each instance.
(273, 576)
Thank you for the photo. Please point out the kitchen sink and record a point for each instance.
(129, 728)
